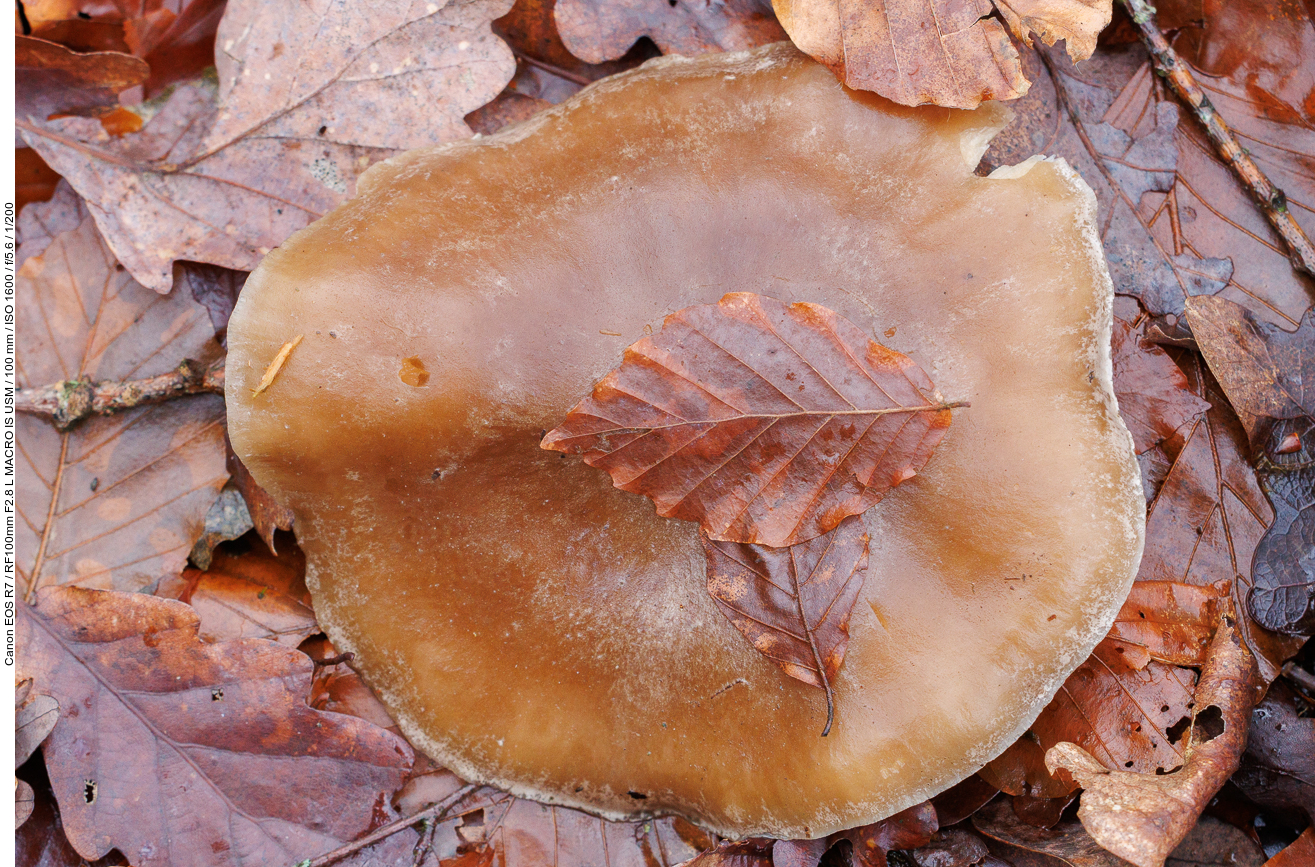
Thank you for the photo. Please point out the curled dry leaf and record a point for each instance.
(185, 754)
(941, 52)
(118, 500)
(319, 94)
(1143, 817)
(763, 422)
(794, 604)
(50, 79)
(267, 514)
(601, 30)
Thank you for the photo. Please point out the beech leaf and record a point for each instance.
(793, 604)
(765, 423)
(185, 754)
(1143, 817)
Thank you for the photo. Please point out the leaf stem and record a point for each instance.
(1273, 203)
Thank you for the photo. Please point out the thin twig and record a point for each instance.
(1273, 204)
(435, 811)
(552, 68)
(66, 403)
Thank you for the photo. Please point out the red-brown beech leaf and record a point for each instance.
(793, 604)
(763, 422)
(188, 754)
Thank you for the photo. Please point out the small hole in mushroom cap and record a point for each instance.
(413, 372)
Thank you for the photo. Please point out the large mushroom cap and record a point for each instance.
(532, 626)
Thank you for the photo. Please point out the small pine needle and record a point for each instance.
(276, 365)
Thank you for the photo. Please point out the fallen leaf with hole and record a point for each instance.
(1143, 817)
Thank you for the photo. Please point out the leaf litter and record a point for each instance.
(1179, 214)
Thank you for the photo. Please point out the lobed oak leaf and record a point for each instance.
(307, 98)
(1143, 817)
(118, 500)
(514, 832)
(794, 604)
(601, 30)
(181, 753)
(50, 79)
(766, 423)
(1080, 114)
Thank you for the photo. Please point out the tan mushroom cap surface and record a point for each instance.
(533, 627)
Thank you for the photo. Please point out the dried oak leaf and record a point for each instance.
(520, 833)
(252, 594)
(118, 500)
(182, 753)
(1268, 373)
(307, 99)
(1143, 817)
(600, 30)
(1256, 63)
(1079, 114)
(794, 604)
(50, 79)
(953, 54)
(1068, 843)
(763, 422)
(41, 223)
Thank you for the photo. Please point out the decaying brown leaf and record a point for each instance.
(1211, 514)
(1299, 854)
(214, 288)
(1278, 768)
(793, 604)
(52, 80)
(953, 847)
(601, 30)
(34, 181)
(118, 500)
(177, 752)
(1143, 817)
(711, 419)
(489, 825)
(1155, 400)
(267, 514)
(1027, 845)
(34, 718)
(1268, 373)
(227, 519)
(945, 53)
(907, 829)
(42, 222)
(252, 594)
(307, 99)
